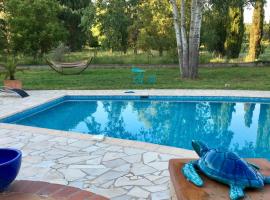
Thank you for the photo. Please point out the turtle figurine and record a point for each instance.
(225, 167)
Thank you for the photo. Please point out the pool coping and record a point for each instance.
(237, 94)
(13, 118)
(109, 140)
(100, 138)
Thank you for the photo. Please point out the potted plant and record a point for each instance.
(9, 71)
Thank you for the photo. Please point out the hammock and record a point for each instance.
(61, 67)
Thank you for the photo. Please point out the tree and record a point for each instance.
(87, 22)
(214, 27)
(156, 26)
(188, 43)
(3, 33)
(235, 30)
(72, 12)
(33, 26)
(3, 29)
(256, 31)
(134, 11)
(113, 22)
(266, 31)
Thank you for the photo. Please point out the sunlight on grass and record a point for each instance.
(153, 57)
(248, 78)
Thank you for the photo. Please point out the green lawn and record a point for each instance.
(121, 78)
(106, 57)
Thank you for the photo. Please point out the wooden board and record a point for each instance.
(212, 190)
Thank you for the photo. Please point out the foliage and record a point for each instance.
(266, 32)
(156, 31)
(10, 67)
(214, 28)
(223, 27)
(3, 36)
(33, 25)
(113, 21)
(75, 5)
(71, 13)
(3, 29)
(58, 54)
(87, 22)
(235, 31)
(134, 11)
(144, 26)
(1, 5)
(256, 31)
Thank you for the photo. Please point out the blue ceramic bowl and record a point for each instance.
(10, 163)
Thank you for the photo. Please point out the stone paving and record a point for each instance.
(114, 168)
(93, 163)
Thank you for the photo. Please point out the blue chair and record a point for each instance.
(138, 77)
(152, 79)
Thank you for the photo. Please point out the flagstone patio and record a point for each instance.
(110, 167)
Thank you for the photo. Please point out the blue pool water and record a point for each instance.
(233, 124)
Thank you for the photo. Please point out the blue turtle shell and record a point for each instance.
(229, 168)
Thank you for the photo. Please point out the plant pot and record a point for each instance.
(10, 164)
(13, 84)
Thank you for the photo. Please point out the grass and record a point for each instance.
(167, 78)
(106, 57)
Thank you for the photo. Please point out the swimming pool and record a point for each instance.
(235, 123)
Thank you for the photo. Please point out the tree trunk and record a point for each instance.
(185, 62)
(160, 51)
(256, 31)
(135, 50)
(194, 37)
(178, 34)
(188, 51)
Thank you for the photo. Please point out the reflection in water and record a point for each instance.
(263, 134)
(249, 108)
(241, 127)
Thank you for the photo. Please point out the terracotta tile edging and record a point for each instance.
(47, 190)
